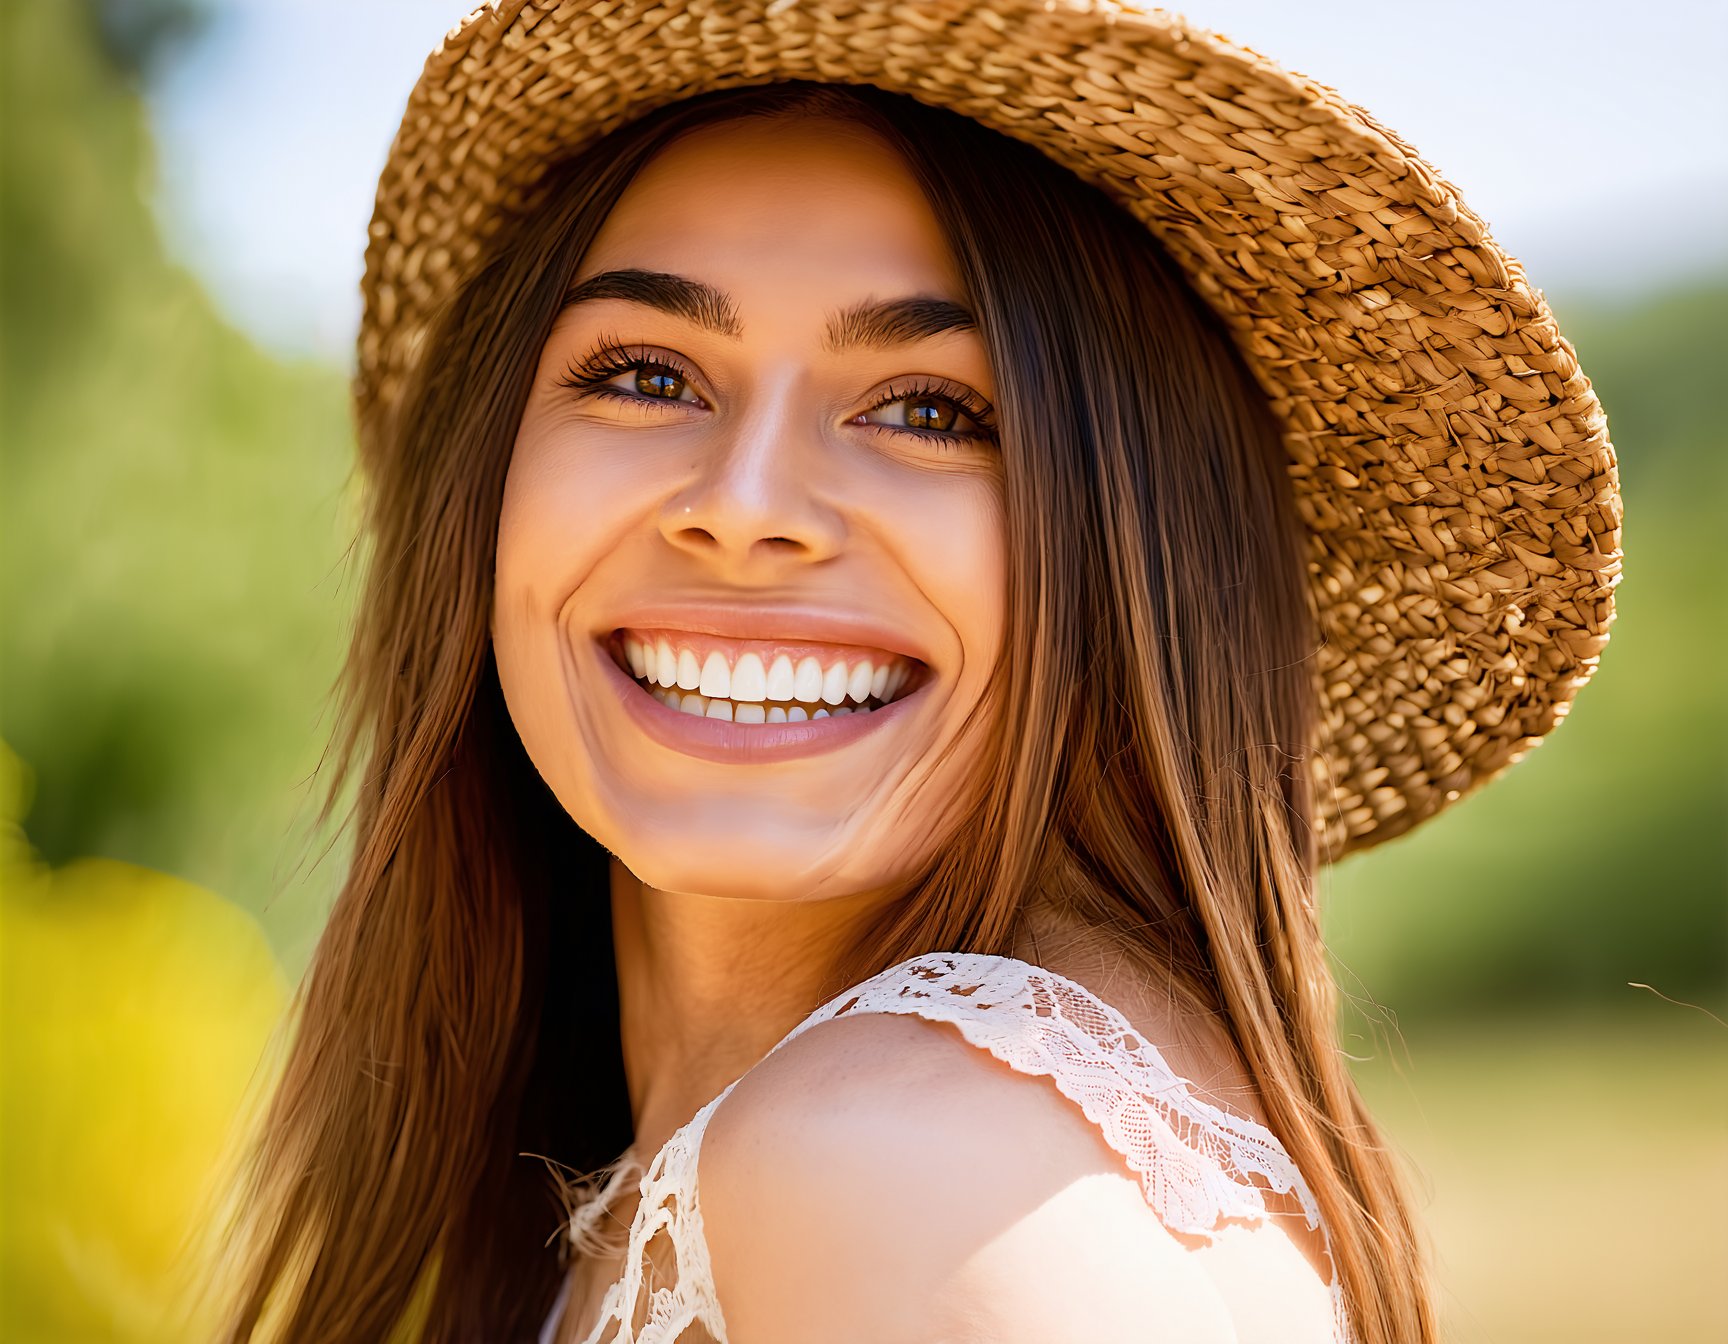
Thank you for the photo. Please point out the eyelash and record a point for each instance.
(589, 376)
(969, 402)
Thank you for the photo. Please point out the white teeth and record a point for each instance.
(689, 670)
(858, 684)
(755, 691)
(834, 684)
(749, 682)
(807, 681)
(716, 674)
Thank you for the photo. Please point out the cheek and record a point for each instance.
(533, 561)
(969, 552)
(558, 520)
(962, 549)
(566, 504)
(952, 542)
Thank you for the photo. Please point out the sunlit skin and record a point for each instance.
(756, 486)
(769, 477)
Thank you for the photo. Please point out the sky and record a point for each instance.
(1592, 136)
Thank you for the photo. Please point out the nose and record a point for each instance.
(751, 504)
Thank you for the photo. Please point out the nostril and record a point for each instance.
(786, 547)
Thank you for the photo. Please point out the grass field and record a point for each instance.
(1573, 1173)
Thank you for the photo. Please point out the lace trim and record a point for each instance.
(637, 1309)
(1194, 1159)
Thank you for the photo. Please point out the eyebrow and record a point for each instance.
(707, 307)
(903, 321)
(866, 325)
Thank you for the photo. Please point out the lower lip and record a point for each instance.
(741, 744)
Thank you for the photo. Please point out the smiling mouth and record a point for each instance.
(762, 681)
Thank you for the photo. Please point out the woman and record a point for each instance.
(866, 645)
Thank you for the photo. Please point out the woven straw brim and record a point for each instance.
(1449, 459)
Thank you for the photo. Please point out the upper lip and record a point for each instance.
(790, 624)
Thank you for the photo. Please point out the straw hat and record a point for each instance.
(1449, 459)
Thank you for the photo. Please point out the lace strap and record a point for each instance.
(1194, 1159)
(655, 1301)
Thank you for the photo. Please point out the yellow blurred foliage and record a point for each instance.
(135, 1010)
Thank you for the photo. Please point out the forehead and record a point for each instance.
(783, 202)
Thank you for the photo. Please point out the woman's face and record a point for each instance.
(756, 463)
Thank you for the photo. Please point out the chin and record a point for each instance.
(734, 866)
(743, 847)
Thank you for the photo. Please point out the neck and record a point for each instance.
(708, 985)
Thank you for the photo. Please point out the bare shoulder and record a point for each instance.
(880, 1179)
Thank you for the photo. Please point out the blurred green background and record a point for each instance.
(174, 515)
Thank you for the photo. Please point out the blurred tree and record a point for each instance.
(175, 505)
(138, 37)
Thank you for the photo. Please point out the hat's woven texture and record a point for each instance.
(1449, 458)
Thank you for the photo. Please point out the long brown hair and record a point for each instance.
(459, 1022)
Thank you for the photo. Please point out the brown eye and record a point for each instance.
(936, 413)
(932, 415)
(658, 381)
(603, 373)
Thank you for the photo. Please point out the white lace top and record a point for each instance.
(1194, 1160)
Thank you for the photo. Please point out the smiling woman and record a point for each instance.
(860, 665)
